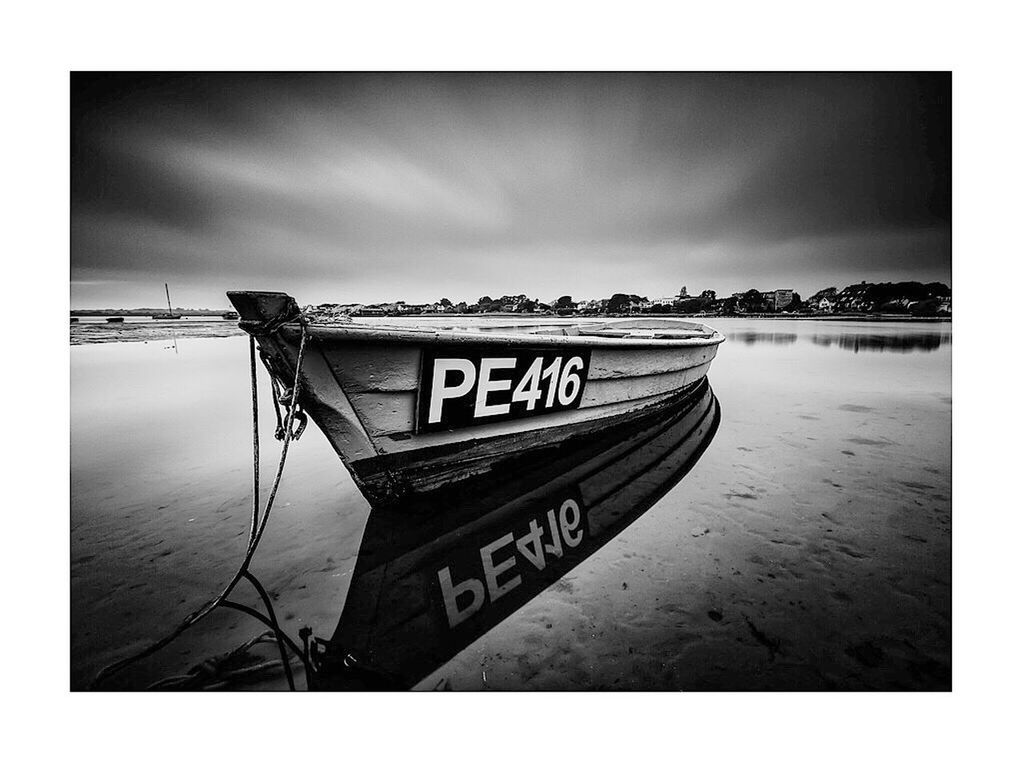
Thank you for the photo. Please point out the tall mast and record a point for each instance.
(169, 308)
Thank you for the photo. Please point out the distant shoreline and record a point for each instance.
(148, 312)
(861, 317)
(851, 316)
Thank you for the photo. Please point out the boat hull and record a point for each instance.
(364, 388)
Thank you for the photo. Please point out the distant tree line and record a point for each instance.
(904, 298)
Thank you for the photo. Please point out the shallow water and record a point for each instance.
(809, 547)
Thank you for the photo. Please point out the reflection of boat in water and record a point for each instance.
(436, 572)
(406, 406)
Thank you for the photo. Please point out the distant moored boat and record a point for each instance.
(169, 314)
(230, 315)
(406, 406)
(117, 319)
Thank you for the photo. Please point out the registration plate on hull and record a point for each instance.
(475, 386)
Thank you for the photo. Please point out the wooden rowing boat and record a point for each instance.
(415, 405)
(433, 577)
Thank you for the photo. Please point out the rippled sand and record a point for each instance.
(97, 331)
(810, 547)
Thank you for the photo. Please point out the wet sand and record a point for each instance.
(98, 331)
(809, 548)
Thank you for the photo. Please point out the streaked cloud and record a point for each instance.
(372, 187)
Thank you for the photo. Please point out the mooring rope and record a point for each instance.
(255, 438)
(276, 395)
(257, 526)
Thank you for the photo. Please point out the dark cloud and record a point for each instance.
(375, 186)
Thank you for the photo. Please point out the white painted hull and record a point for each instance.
(361, 385)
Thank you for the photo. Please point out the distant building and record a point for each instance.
(664, 301)
(778, 299)
(782, 298)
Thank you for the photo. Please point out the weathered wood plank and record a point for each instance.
(641, 361)
(605, 391)
(375, 367)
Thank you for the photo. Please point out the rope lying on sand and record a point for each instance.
(221, 671)
(257, 525)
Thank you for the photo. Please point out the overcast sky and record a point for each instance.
(364, 188)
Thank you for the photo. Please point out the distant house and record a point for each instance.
(664, 301)
(825, 300)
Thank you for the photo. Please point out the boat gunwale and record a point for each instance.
(401, 335)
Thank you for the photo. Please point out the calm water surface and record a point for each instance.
(809, 547)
